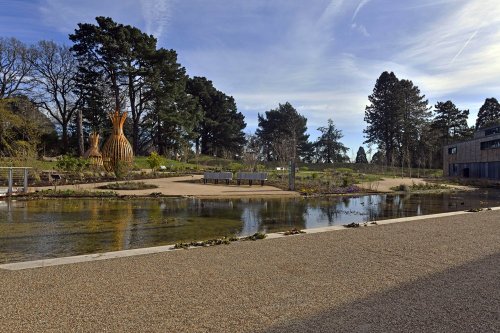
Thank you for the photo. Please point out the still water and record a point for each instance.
(53, 228)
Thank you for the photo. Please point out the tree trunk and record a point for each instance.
(79, 131)
(64, 139)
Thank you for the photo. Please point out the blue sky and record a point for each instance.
(323, 56)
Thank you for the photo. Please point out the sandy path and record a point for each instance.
(178, 186)
(434, 275)
(386, 184)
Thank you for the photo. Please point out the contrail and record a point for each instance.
(463, 47)
(361, 4)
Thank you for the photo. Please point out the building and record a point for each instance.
(475, 158)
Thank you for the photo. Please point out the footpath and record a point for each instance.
(439, 274)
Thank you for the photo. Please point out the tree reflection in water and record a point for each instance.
(61, 227)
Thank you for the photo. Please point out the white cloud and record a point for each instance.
(457, 52)
(361, 4)
(361, 29)
(156, 15)
(65, 15)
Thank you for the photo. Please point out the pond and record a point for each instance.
(50, 228)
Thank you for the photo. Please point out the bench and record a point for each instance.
(55, 177)
(251, 176)
(216, 176)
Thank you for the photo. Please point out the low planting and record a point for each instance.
(78, 193)
(419, 187)
(218, 241)
(128, 186)
(294, 231)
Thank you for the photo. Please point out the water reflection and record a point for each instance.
(51, 228)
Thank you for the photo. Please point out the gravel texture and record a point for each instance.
(188, 186)
(434, 275)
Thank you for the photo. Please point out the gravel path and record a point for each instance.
(386, 184)
(434, 275)
(183, 186)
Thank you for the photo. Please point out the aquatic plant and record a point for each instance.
(218, 241)
(257, 235)
(293, 231)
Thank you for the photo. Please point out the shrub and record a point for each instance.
(154, 161)
(122, 169)
(71, 164)
(235, 167)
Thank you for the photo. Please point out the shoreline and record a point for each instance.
(21, 265)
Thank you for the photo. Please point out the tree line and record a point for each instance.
(53, 96)
(114, 66)
(405, 129)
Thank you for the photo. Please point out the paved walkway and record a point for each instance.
(433, 275)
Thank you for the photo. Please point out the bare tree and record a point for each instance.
(54, 72)
(15, 67)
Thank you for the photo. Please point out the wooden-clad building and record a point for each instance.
(475, 158)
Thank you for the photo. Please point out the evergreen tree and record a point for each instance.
(489, 113)
(414, 116)
(173, 116)
(383, 115)
(361, 156)
(450, 122)
(282, 132)
(221, 128)
(118, 53)
(329, 149)
(396, 118)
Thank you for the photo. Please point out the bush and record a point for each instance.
(122, 169)
(154, 160)
(235, 167)
(71, 164)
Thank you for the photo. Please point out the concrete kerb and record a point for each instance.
(166, 248)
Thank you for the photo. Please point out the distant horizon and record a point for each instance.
(323, 58)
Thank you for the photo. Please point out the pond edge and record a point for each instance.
(167, 248)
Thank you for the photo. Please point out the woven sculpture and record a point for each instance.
(93, 153)
(117, 151)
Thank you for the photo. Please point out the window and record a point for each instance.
(490, 144)
(452, 150)
(492, 131)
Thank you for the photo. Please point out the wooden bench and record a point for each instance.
(216, 176)
(251, 176)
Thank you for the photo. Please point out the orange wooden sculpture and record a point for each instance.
(93, 153)
(117, 150)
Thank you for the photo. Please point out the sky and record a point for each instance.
(322, 56)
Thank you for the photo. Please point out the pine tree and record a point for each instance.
(283, 134)
(329, 149)
(450, 122)
(489, 113)
(382, 114)
(221, 128)
(361, 156)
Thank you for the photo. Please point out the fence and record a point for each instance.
(13, 179)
